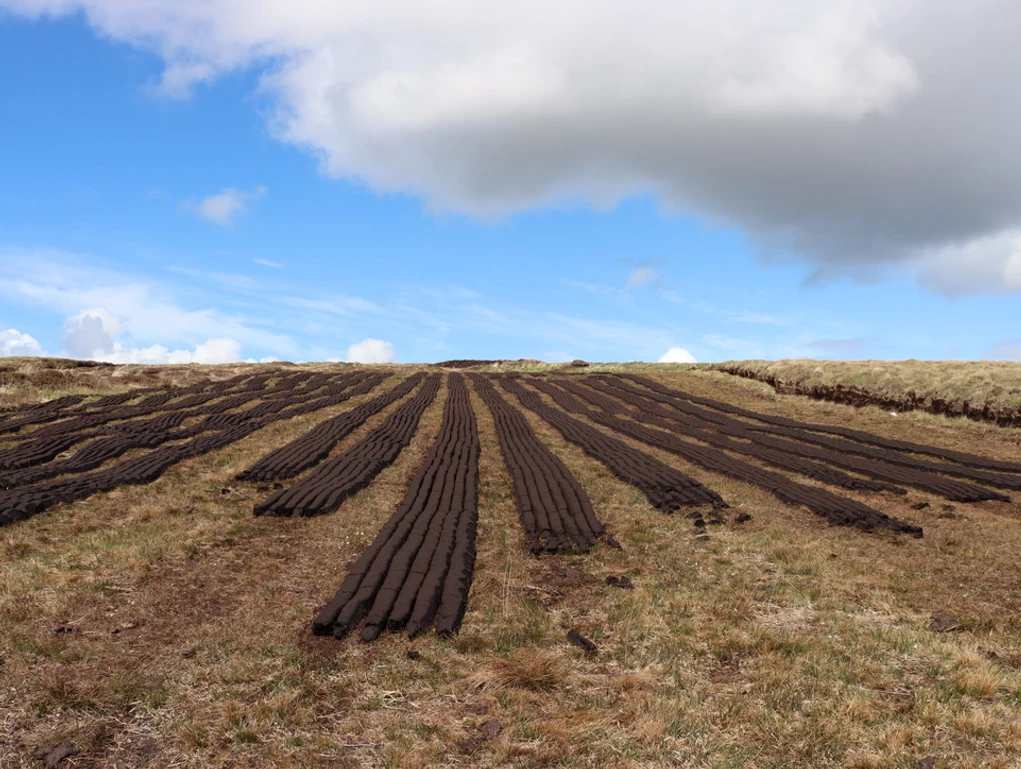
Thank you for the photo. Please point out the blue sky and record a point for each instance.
(153, 217)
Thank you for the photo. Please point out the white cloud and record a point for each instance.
(221, 350)
(91, 333)
(677, 355)
(14, 342)
(266, 262)
(841, 131)
(371, 351)
(225, 206)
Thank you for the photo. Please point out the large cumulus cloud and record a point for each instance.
(855, 136)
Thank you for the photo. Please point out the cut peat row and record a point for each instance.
(219, 430)
(43, 412)
(652, 413)
(330, 484)
(418, 570)
(554, 509)
(837, 510)
(666, 488)
(960, 457)
(83, 423)
(88, 458)
(311, 448)
(133, 431)
(882, 464)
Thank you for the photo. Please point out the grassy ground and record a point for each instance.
(164, 625)
(977, 382)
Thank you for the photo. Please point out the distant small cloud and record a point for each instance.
(642, 272)
(179, 80)
(677, 355)
(14, 342)
(223, 207)
(371, 351)
(266, 263)
(643, 275)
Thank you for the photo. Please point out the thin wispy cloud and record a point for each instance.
(730, 344)
(266, 263)
(640, 274)
(759, 319)
(113, 312)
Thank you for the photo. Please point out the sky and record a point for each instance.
(217, 180)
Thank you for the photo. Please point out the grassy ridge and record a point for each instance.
(927, 385)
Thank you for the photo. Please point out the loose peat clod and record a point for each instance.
(53, 755)
(944, 622)
(620, 581)
(490, 728)
(582, 642)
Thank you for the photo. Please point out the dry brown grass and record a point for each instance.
(781, 642)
